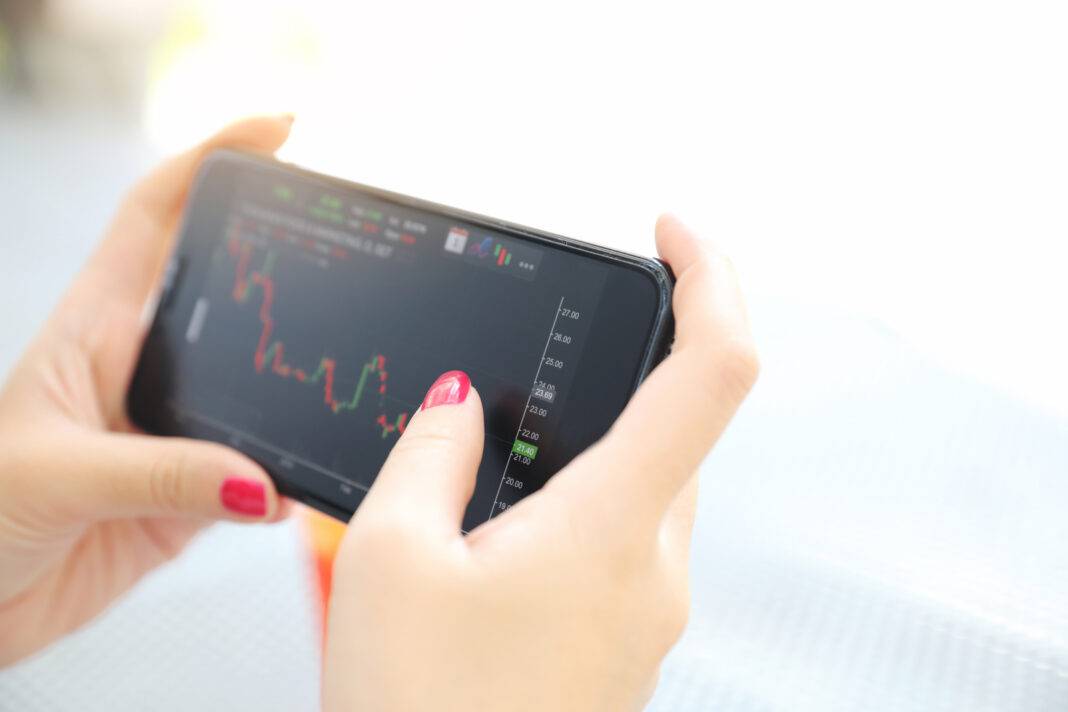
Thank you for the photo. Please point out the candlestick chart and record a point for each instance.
(269, 355)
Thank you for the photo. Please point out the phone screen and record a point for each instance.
(303, 319)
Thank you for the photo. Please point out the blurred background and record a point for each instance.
(882, 529)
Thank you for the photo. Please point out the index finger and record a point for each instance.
(679, 412)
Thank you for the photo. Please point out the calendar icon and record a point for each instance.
(456, 240)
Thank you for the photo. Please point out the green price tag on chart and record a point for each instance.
(525, 449)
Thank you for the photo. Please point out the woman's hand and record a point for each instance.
(570, 600)
(87, 505)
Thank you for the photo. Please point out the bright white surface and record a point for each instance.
(232, 624)
(61, 178)
(904, 160)
(875, 534)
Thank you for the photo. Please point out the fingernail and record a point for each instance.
(244, 496)
(450, 388)
(287, 117)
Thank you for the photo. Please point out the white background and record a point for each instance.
(904, 161)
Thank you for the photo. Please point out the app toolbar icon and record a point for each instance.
(456, 240)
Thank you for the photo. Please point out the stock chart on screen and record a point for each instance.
(321, 318)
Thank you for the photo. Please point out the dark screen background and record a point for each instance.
(307, 320)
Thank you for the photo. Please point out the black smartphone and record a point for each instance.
(302, 317)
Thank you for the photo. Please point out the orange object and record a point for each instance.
(324, 536)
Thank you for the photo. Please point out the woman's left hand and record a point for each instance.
(87, 504)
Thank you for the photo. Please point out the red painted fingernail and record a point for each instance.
(450, 388)
(244, 496)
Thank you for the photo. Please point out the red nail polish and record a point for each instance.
(244, 496)
(450, 388)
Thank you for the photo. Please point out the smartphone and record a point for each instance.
(301, 319)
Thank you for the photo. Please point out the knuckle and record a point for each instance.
(165, 480)
(676, 615)
(738, 367)
(673, 608)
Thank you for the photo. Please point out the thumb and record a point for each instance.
(129, 259)
(429, 476)
(163, 190)
(132, 475)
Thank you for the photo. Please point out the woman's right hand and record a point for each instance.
(570, 600)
